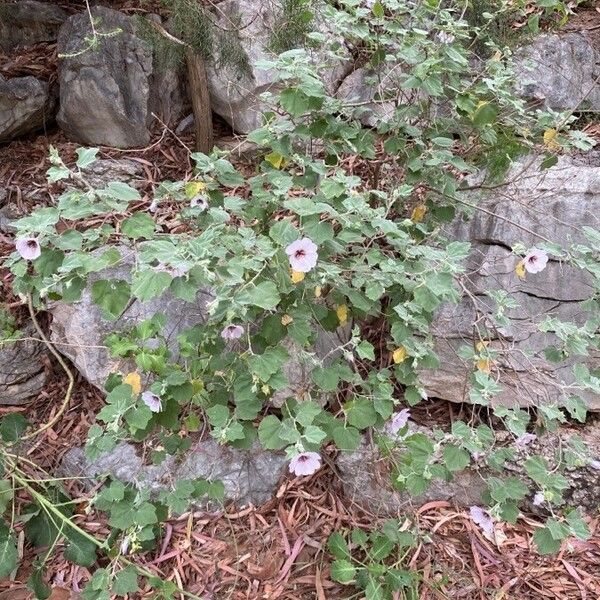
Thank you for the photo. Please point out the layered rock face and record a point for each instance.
(534, 207)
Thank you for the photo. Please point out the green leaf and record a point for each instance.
(122, 191)
(485, 114)
(149, 284)
(85, 157)
(36, 584)
(8, 551)
(294, 101)
(264, 295)
(80, 550)
(346, 438)
(544, 541)
(455, 458)
(125, 582)
(378, 9)
(360, 413)
(268, 433)
(125, 515)
(338, 546)
(381, 547)
(342, 571)
(112, 296)
(578, 526)
(6, 495)
(12, 427)
(139, 225)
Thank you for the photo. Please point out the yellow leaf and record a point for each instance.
(484, 364)
(193, 188)
(550, 139)
(298, 276)
(318, 291)
(266, 390)
(275, 160)
(135, 381)
(399, 355)
(286, 320)
(481, 346)
(418, 213)
(342, 313)
(520, 269)
(497, 55)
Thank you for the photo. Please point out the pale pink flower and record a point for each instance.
(443, 37)
(305, 463)
(199, 201)
(535, 260)
(482, 518)
(152, 401)
(232, 332)
(29, 248)
(595, 464)
(397, 422)
(538, 499)
(525, 440)
(302, 255)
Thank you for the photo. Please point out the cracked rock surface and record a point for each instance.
(249, 476)
(555, 204)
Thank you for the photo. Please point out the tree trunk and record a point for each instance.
(198, 89)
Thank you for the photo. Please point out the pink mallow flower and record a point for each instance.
(538, 499)
(535, 260)
(482, 518)
(152, 401)
(302, 254)
(305, 463)
(199, 201)
(232, 332)
(397, 422)
(29, 248)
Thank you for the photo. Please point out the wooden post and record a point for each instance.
(198, 90)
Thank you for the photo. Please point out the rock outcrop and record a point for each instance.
(27, 22)
(249, 476)
(560, 71)
(25, 106)
(533, 208)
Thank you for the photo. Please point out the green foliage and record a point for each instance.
(373, 562)
(376, 262)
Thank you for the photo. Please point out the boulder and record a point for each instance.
(104, 170)
(235, 88)
(28, 22)
(555, 204)
(366, 474)
(104, 91)
(22, 369)
(249, 476)
(374, 93)
(25, 106)
(560, 70)
(79, 328)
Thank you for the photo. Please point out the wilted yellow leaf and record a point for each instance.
(520, 269)
(481, 346)
(193, 188)
(399, 355)
(286, 320)
(550, 139)
(275, 159)
(342, 313)
(266, 390)
(497, 55)
(298, 276)
(418, 213)
(484, 364)
(135, 381)
(318, 291)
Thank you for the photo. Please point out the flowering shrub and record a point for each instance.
(340, 226)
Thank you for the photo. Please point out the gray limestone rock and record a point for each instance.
(249, 476)
(25, 105)
(560, 70)
(22, 370)
(556, 204)
(104, 91)
(27, 22)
